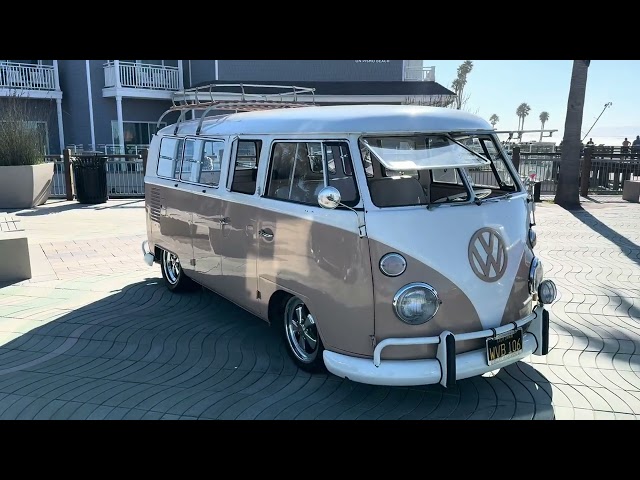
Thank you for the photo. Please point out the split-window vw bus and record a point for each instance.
(391, 245)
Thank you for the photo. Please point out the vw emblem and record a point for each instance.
(487, 255)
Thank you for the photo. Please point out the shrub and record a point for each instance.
(21, 143)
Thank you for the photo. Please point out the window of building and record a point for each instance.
(137, 135)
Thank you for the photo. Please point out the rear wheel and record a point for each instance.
(173, 275)
(301, 335)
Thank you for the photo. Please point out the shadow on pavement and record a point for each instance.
(49, 209)
(145, 353)
(630, 249)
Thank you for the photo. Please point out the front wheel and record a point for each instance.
(173, 275)
(301, 336)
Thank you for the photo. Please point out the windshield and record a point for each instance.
(435, 169)
(421, 152)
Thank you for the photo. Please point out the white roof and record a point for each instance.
(368, 119)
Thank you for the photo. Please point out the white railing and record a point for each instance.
(114, 149)
(420, 74)
(27, 76)
(58, 187)
(139, 75)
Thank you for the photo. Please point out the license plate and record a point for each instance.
(504, 347)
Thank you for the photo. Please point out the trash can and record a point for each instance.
(90, 174)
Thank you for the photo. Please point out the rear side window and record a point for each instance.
(211, 162)
(170, 159)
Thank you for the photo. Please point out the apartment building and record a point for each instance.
(114, 105)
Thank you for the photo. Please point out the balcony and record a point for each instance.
(420, 74)
(28, 80)
(138, 80)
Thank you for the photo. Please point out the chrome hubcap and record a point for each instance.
(302, 333)
(171, 265)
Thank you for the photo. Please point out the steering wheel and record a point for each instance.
(483, 193)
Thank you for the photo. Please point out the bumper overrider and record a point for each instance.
(149, 257)
(448, 366)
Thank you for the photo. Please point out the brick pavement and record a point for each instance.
(95, 334)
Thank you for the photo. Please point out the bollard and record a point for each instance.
(515, 158)
(68, 185)
(144, 153)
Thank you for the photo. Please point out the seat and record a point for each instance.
(396, 192)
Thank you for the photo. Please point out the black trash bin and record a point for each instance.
(90, 174)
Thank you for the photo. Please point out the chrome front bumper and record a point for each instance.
(447, 367)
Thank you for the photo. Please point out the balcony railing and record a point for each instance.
(420, 74)
(27, 76)
(144, 76)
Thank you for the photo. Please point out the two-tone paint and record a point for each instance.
(250, 248)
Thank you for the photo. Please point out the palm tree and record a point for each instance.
(567, 194)
(544, 117)
(522, 111)
(460, 82)
(493, 120)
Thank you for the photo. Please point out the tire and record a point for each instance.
(174, 277)
(301, 339)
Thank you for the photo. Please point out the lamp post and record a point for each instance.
(606, 105)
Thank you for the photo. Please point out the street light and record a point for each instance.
(606, 105)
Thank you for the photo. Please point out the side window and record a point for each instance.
(245, 166)
(340, 172)
(189, 172)
(170, 159)
(295, 173)
(210, 162)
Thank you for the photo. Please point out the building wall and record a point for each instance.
(295, 70)
(75, 102)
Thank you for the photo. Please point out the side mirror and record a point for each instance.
(329, 197)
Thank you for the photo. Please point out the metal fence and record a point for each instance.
(607, 171)
(125, 177)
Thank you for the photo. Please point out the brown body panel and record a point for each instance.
(318, 255)
(173, 230)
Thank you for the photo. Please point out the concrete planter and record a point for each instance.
(25, 186)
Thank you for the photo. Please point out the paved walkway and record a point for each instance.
(95, 334)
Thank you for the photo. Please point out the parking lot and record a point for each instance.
(96, 335)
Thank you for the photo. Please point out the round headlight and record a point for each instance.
(536, 273)
(533, 238)
(393, 264)
(547, 292)
(416, 303)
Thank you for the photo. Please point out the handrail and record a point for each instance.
(239, 98)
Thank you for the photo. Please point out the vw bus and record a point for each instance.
(389, 244)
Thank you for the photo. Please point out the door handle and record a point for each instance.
(266, 234)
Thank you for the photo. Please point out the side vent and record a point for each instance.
(154, 204)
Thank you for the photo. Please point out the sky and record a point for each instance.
(499, 86)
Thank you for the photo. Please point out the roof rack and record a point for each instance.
(241, 97)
